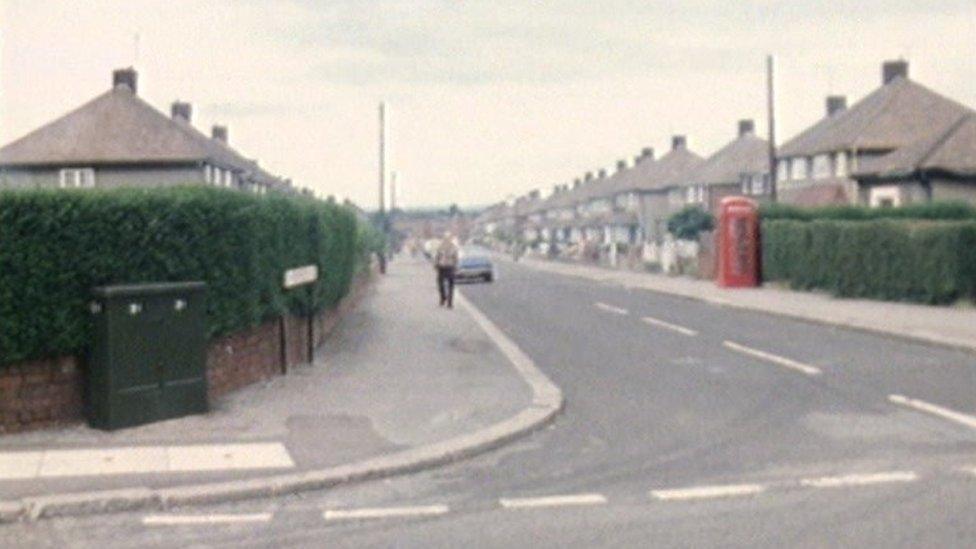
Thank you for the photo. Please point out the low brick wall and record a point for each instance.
(46, 393)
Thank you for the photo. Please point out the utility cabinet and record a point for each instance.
(148, 356)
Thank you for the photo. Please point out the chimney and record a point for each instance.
(893, 69)
(219, 133)
(836, 104)
(556, 189)
(746, 127)
(577, 182)
(602, 173)
(181, 111)
(647, 153)
(588, 176)
(125, 77)
(534, 194)
(678, 142)
(621, 165)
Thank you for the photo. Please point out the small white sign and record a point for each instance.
(301, 276)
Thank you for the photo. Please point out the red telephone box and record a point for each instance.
(738, 243)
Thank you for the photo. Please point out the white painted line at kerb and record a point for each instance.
(705, 492)
(553, 501)
(775, 359)
(181, 520)
(934, 409)
(610, 308)
(385, 512)
(669, 326)
(859, 480)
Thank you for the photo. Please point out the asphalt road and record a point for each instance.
(687, 424)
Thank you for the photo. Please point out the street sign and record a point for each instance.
(301, 276)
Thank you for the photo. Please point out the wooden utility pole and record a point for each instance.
(382, 210)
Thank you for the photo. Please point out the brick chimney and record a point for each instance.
(219, 133)
(678, 142)
(621, 165)
(588, 176)
(181, 111)
(746, 127)
(893, 69)
(577, 182)
(602, 173)
(836, 104)
(125, 77)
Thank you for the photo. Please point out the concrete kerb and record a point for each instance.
(924, 338)
(547, 403)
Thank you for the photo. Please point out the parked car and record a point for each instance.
(474, 263)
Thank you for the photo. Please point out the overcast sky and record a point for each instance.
(487, 99)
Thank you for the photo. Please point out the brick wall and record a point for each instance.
(45, 393)
(39, 394)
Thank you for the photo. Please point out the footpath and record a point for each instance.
(400, 386)
(949, 326)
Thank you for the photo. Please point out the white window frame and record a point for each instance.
(783, 170)
(208, 173)
(799, 170)
(879, 195)
(76, 178)
(822, 166)
(840, 164)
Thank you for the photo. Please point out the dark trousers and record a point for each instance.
(445, 285)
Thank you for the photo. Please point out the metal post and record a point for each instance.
(771, 104)
(382, 210)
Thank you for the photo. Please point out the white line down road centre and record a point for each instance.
(385, 512)
(705, 492)
(668, 326)
(775, 359)
(610, 308)
(553, 501)
(934, 409)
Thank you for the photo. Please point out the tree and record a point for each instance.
(691, 220)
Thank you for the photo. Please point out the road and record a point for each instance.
(687, 424)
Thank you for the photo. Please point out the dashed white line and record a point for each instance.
(181, 520)
(859, 479)
(775, 359)
(385, 512)
(553, 501)
(704, 492)
(935, 409)
(669, 326)
(611, 308)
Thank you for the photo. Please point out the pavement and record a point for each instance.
(688, 423)
(949, 326)
(402, 384)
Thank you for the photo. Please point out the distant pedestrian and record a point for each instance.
(446, 261)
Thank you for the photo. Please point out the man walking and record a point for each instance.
(445, 261)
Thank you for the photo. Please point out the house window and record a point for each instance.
(228, 178)
(822, 168)
(208, 173)
(783, 170)
(886, 196)
(840, 164)
(798, 171)
(77, 178)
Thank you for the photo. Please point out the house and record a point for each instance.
(119, 140)
(941, 167)
(815, 167)
(740, 167)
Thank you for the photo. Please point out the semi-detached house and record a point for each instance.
(739, 168)
(816, 166)
(118, 140)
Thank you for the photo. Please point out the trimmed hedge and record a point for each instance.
(923, 261)
(56, 245)
(945, 211)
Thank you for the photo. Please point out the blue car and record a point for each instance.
(474, 263)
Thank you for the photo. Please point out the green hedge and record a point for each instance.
(56, 245)
(945, 211)
(923, 261)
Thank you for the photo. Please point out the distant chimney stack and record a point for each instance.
(219, 133)
(678, 142)
(836, 104)
(893, 69)
(647, 153)
(746, 127)
(577, 182)
(125, 77)
(602, 173)
(182, 111)
(588, 176)
(621, 165)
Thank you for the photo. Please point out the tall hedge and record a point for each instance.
(910, 260)
(934, 211)
(56, 245)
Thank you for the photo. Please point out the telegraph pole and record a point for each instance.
(771, 105)
(382, 210)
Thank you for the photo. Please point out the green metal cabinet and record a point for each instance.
(148, 357)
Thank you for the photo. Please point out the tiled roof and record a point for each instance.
(952, 150)
(670, 170)
(894, 115)
(746, 154)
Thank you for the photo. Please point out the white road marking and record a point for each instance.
(179, 520)
(934, 409)
(669, 326)
(610, 308)
(775, 359)
(553, 501)
(385, 512)
(859, 479)
(704, 492)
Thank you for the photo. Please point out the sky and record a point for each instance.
(486, 100)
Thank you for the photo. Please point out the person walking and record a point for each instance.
(445, 262)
